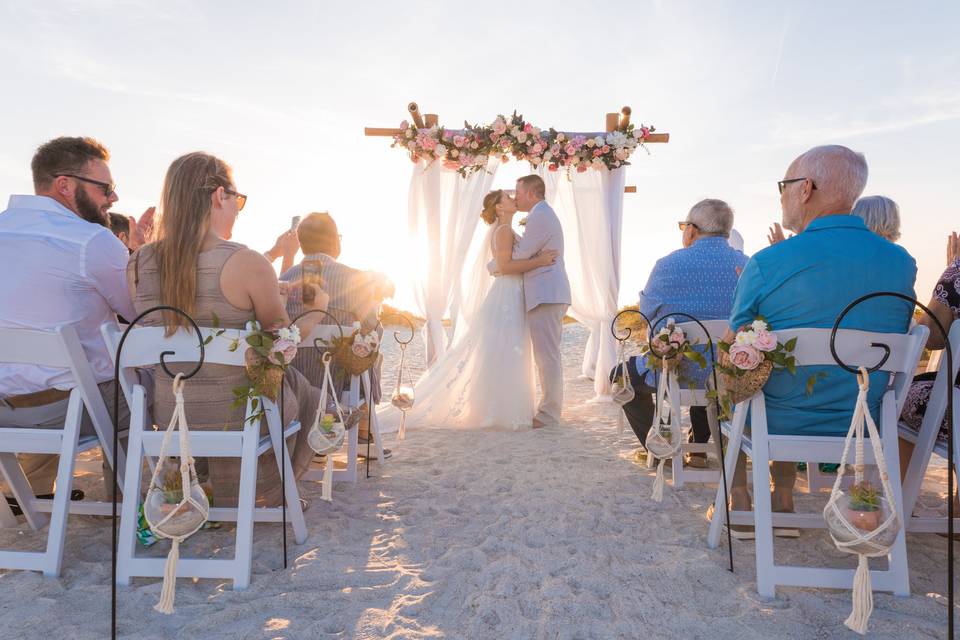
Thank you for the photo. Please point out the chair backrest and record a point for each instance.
(695, 333)
(937, 403)
(857, 348)
(61, 348)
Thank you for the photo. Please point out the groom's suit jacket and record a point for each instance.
(543, 285)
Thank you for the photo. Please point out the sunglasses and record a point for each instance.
(108, 188)
(683, 225)
(782, 184)
(241, 199)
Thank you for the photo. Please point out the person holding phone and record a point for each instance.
(355, 295)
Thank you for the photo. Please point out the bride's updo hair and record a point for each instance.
(489, 213)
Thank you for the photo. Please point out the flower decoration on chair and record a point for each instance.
(468, 150)
(357, 352)
(266, 358)
(745, 364)
(669, 347)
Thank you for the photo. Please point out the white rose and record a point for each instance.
(746, 338)
(408, 133)
(440, 150)
(759, 325)
(598, 141)
(521, 137)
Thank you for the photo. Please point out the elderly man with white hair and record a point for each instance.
(699, 280)
(806, 281)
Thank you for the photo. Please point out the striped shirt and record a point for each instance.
(350, 296)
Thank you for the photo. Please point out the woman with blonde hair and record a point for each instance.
(193, 265)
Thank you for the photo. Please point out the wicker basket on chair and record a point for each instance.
(747, 384)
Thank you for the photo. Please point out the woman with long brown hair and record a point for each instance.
(193, 265)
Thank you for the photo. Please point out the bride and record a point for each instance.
(485, 379)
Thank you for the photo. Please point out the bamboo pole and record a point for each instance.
(431, 119)
(613, 121)
(630, 189)
(625, 118)
(415, 114)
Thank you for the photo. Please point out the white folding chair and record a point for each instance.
(927, 442)
(813, 348)
(142, 348)
(350, 400)
(60, 348)
(695, 398)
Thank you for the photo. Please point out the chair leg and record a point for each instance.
(762, 507)
(898, 553)
(245, 502)
(730, 463)
(7, 519)
(57, 532)
(127, 537)
(291, 492)
(21, 489)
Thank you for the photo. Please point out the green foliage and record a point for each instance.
(864, 497)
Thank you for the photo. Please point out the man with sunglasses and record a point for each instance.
(699, 280)
(61, 266)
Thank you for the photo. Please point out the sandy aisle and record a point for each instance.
(546, 534)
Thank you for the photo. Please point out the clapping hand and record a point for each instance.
(287, 245)
(776, 234)
(142, 231)
(953, 247)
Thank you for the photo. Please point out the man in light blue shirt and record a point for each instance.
(806, 281)
(698, 280)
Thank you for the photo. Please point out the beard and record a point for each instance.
(89, 211)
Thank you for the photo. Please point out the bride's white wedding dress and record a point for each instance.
(485, 379)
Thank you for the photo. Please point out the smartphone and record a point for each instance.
(312, 273)
(294, 222)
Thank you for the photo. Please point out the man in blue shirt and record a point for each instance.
(698, 280)
(806, 281)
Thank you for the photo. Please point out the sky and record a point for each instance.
(283, 90)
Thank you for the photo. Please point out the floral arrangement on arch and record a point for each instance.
(469, 149)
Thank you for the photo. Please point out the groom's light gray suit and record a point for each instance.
(547, 294)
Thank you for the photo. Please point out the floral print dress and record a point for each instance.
(947, 292)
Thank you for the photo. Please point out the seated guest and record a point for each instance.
(353, 295)
(881, 215)
(56, 244)
(806, 281)
(193, 265)
(699, 280)
(120, 226)
(945, 305)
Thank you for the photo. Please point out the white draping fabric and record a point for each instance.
(443, 219)
(590, 208)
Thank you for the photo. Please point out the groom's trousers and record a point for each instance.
(546, 326)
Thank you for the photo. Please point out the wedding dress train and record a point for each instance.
(485, 379)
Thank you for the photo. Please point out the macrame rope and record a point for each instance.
(188, 473)
(325, 389)
(863, 543)
(663, 397)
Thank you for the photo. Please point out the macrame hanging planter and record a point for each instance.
(403, 395)
(176, 505)
(327, 433)
(862, 520)
(622, 388)
(663, 439)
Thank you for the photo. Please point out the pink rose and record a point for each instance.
(570, 149)
(677, 337)
(283, 352)
(606, 148)
(745, 357)
(581, 168)
(404, 125)
(499, 127)
(360, 350)
(527, 128)
(458, 141)
(597, 153)
(552, 166)
(765, 341)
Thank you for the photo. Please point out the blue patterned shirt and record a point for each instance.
(698, 280)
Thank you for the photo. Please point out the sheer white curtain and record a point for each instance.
(590, 208)
(443, 219)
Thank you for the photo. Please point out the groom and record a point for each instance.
(546, 292)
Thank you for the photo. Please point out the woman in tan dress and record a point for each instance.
(193, 265)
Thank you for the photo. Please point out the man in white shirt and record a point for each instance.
(61, 266)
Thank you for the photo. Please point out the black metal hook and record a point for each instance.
(396, 334)
(950, 391)
(116, 432)
(613, 325)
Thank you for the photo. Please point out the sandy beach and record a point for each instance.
(543, 534)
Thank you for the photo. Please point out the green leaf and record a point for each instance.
(234, 345)
(208, 340)
(724, 346)
(791, 344)
(216, 319)
(792, 367)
